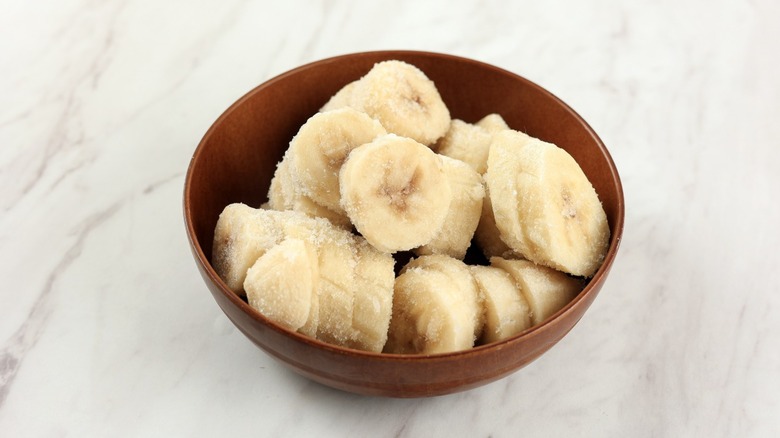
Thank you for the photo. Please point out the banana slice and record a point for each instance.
(341, 99)
(506, 311)
(242, 235)
(454, 237)
(284, 194)
(493, 123)
(374, 280)
(546, 290)
(281, 283)
(435, 309)
(545, 208)
(320, 147)
(395, 192)
(403, 99)
(466, 142)
(487, 236)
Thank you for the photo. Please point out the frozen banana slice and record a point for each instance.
(320, 148)
(374, 281)
(404, 101)
(506, 311)
(395, 192)
(545, 289)
(284, 194)
(466, 142)
(281, 283)
(433, 312)
(493, 123)
(544, 206)
(242, 235)
(341, 99)
(454, 237)
(487, 235)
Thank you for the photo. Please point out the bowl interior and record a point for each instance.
(237, 157)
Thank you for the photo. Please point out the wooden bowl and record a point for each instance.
(235, 161)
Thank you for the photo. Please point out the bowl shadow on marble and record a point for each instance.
(235, 162)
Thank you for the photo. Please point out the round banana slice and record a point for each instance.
(320, 147)
(435, 309)
(506, 311)
(454, 237)
(242, 235)
(404, 101)
(546, 290)
(466, 142)
(341, 99)
(281, 283)
(284, 194)
(545, 208)
(493, 123)
(395, 192)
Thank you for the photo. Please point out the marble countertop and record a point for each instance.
(106, 328)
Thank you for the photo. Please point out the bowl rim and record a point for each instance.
(206, 267)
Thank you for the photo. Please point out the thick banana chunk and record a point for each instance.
(545, 208)
(320, 148)
(546, 290)
(493, 123)
(374, 281)
(487, 235)
(395, 192)
(285, 194)
(242, 235)
(436, 308)
(506, 311)
(454, 237)
(401, 97)
(282, 282)
(466, 142)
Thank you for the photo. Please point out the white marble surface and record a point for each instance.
(106, 328)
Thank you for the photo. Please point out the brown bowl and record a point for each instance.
(236, 160)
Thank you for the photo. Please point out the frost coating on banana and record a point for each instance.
(545, 289)
(282, 282)
(395, 192)
(284, 194)
(544, 206)
(320, 148)
(401, 97)
(506, 310)
(436, 308)
(466, 142)
(353, 288)
(487, 235)
(493, 123)
(454, 237)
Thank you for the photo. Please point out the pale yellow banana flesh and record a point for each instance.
(466, 142)
(545, 289)
(395, 192)
(436, 308)
(506, 310)
(401, 98)
(493, 123)
(320, 148)
(282, 282)
(284, 194)
(454, 237)
(353, 288)
(544, 206)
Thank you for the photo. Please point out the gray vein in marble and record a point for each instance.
(13, 353)
(59, 140)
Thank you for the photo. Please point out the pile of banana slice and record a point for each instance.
(383, 170)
